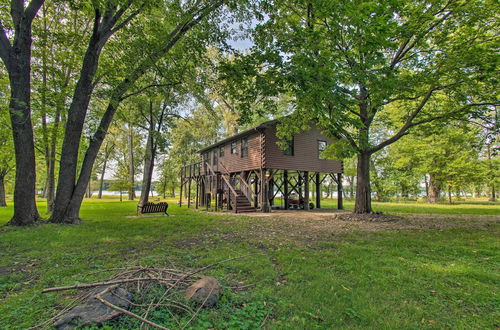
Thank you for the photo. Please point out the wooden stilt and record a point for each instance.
(264, 190)
(306, 191)
(197, 192)
(285, 188)
(271, 192)
(182, 184)
(255, 191)
(318, 191)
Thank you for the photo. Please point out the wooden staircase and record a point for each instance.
(242, 203)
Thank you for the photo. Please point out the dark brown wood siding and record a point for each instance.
(235, 162)
(306, 154)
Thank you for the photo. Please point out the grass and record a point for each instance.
(426, 279)
(474, 206)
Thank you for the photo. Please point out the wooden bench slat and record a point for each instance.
(153, 208)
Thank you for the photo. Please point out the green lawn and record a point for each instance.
(395, 279)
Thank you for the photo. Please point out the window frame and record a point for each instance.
(290, 147)
(222, 151)
(320, 151)
(234, 147)
(215, 158)
(244, 147)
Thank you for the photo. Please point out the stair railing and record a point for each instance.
(247, 191)
(228, 184)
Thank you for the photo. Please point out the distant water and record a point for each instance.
(117, 193)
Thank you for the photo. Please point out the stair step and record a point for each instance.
(246, 210)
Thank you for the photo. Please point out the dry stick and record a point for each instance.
(107, 303)
(146, 313)
(197, 271)
(92, 285)
(174, 303)
(198, 310)
(262, 324)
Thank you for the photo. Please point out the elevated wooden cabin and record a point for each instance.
(247, 171)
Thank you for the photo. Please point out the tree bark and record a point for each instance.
(363, 191)
(131, 167)
(3, 200)
(17, 59)
(149, 160)
(433, 188)
(74, 126)
(101, 183)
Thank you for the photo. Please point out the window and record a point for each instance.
(289, 147)
(244, 147)
(214, 163)
(321, 148)
(233, 148)
(221, 151)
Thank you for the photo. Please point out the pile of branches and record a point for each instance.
(140, 280)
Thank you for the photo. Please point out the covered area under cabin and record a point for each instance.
(249, 172)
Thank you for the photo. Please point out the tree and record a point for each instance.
(127, 163)
(183, 18)
(57, 48)
(106, 155)
(348, 63)
(16, 56)
(156, 119)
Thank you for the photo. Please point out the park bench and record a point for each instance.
(152, 208)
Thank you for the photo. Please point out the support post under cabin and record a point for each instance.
(285, 188)
(271, 192)
(197, 180)
(306, 190)
(318, 190)
(340, 205)
(264, 189)
(255, 191)
(182, 183)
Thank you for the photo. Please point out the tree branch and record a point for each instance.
(402, 131)
(32, 9)
(148, 87)
(5, 46)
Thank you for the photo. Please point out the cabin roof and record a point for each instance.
(240, 135)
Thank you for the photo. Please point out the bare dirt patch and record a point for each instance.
(307, 227)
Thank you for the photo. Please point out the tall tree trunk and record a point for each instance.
(3, 200)
(426, 187)
(101, 181)
(433, 188)
(363, 192)
(17, 59)
(149, 160)
(51, 174)
(131, 167)
(351, 187)
(449, 194)
(74, 126)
